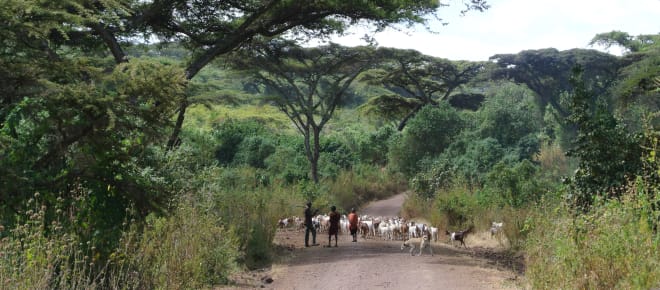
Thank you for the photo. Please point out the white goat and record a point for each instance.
(496, 228)
(434, 233)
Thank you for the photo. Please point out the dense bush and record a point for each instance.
(372, 147)
(514, 185)
(457, 206)
(427, 134)
(288, 164)
(254, 150)
(508, 115)
(230, 134)
(608, 153)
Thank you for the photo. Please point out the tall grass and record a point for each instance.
(37, 254)
(613, 246)
(553, 162)
(250, 208)
(188, 249)
(457, 208)
(206, 236)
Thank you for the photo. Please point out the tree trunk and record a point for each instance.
(315, 155)
(412, 113)
(174, 138)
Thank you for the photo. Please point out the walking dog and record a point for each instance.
(422, 242)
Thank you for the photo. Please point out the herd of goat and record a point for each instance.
(387, 228)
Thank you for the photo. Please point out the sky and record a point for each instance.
(510, 26)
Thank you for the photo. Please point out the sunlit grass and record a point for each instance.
(202, 117)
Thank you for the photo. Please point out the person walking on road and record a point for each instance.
(353, 224)
(334, 225)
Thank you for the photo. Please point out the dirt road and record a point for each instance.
(378, 264)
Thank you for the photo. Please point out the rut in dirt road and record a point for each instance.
(378, 264)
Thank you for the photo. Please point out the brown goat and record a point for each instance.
(459, 236)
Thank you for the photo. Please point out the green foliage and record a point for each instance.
(91, 131)
(514, 185)
(436, 174)
(638, 90)
(478, 158)
(547, 72)
(429, 133)
(371, 148)
(457, 207)
(230, 135)
(608, 153)
(253, 151)
(287, 163)
(509, 115)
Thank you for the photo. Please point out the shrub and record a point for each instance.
(288, 164)
(436, 174)
(230, 134)
(457, 207)
(427, 134)
(371, 147)
(253, 151)
(513, 185)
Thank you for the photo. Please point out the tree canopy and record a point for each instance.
(547, 71)
(416, 80)
(307, 84)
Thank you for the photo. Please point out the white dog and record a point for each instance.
(422, 241)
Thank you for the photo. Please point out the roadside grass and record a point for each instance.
(613, 246)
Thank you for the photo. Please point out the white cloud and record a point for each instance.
(510, 26)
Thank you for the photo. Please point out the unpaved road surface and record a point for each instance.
(378, 264)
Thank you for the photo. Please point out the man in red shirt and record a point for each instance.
(353, 224)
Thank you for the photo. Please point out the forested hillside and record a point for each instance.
(130, 164)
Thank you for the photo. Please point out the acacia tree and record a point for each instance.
(547, 72)
(416, 80)
(306, 84)
(630, 43)
(57, 44)
(212, 28)
(639, 79)
(76, 110)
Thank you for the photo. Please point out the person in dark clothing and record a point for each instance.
(309, 225)
(334, 225)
